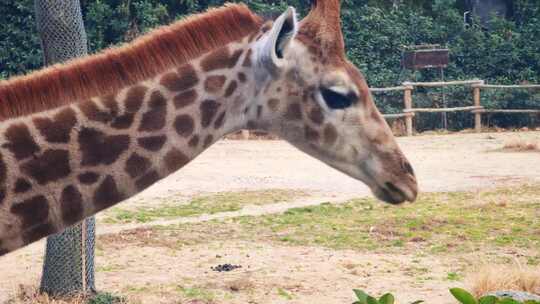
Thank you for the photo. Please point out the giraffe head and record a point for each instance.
(312, 96)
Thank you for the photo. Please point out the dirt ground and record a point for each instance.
(291, 274)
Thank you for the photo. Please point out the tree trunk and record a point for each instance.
(69, 258)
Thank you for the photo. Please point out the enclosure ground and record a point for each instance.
(318, 252)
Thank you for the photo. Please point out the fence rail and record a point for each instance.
(476, 109)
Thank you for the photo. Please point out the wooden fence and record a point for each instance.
(476, 108)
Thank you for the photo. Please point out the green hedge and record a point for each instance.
(375, 33)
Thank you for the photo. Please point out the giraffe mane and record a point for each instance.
(115, 68)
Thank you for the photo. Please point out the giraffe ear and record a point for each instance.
(279, 36)
(283, 31)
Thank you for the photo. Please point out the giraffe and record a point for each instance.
(80, 137)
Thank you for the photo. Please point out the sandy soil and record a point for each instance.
(309, 274)
(442, 163)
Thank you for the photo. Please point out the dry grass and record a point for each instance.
(489, 278)
(30, 294)
(521, 145)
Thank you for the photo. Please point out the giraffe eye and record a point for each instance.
(336, 100)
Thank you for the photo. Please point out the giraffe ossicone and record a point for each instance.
(121, 120)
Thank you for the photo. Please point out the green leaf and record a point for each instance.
(463, 296)
(371, 300)
(488, 300)
(387, 299)
(508, 301)
(418, 302)
(361, 295)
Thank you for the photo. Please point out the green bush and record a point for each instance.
(375, 34)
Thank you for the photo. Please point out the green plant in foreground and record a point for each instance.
(387, 298)
(465, 297)
(106, 298)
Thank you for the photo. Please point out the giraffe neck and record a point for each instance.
(60, 166)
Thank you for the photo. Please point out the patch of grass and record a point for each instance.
(438, 223)
(441, 222)
(453, 276)
(197, 293)
(108, 268)
(206, 204)
(284, 294)
(106, 298)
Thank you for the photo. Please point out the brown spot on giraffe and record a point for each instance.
(2, 195)
(93, 112)
(294, 111)
(31, 211)
(214, 83)
(311, 134)
(58, 128)
(3, 175)
(154, 118)
(247, 59)
(330, 134)
(220, 120)
(231, 88)
(71, 205)
(185, 79)
(134, 98)
(242, 77)
(123, 121)
(184, 125)
(147, 180)
(37, 232)
(109, 101)
(98, 148)
(184, 99)
(220, 59)
(208, 109)
(316, 115)
(107, 193)
(51, 166)
(22, 185)
(273, 104)
(137, 165)
(152, 143)
(194, 141)
(88, 178)
(20, 142)
(175, 159)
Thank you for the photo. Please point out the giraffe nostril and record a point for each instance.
(392, 187)
(407, 167)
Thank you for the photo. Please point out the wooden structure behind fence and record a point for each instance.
(476, 108)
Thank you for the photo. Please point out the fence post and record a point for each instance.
(407, 100)
(477, 114)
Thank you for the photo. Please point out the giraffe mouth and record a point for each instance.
(390, 193)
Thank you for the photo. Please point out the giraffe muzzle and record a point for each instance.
(394, 194)
(392, 186)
